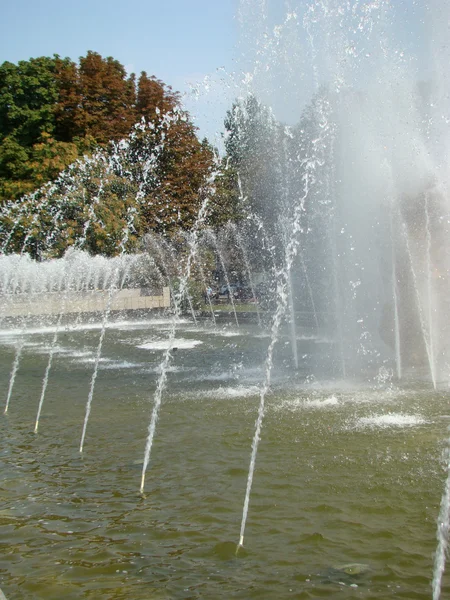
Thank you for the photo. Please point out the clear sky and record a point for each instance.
(178, 41)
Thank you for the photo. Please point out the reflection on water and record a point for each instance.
(346, 474)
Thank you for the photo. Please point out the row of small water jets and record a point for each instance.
(78, 273)
(27, 282)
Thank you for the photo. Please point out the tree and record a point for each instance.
(68, 101)
(254, 146)
(152, 179)
(226, 204)
(86, 105)
(107, 99)
(171, 196)
(49, 157)
(14, 170)
(28, 93)
(154, 98)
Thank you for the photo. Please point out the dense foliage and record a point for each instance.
(53, 110)
(94, 158)
(90, 157)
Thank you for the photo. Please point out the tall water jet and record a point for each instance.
(398, 342)
(443, 527)
(14, 369)
(111, 290)
(420, 309)
(247, 268)
(292, 323)
(429, 287)
(50, 359)
(213, 238)
(178, 297)
(282, 298)
(208, 299)
(23, 281)
(310, 292)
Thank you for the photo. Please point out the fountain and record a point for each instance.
(344, 362)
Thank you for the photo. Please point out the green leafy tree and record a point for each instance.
(49, 157)
(28, 93)
(252, 143)
(154, 180)
(14, 169)
(68, 103)
(180, 165)
(48, 102)
(226, 204)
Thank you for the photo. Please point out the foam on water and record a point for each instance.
(318, 403)
(105, 363)
(121, 364)
(43, 348)
(217, 332)
(307, 403)
(227, 333)
(230, 392)
(66, 352)
(90, 359)
(78, 353)
(318, 396)
(219, 376)
(179, 343)
(96, 326)
(394, 420)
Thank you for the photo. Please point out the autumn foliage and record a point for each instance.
(136, 164)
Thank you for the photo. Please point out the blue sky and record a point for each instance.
(178, 41)
(188, 44)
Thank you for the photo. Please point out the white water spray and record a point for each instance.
(49, 364)
(14, 369)
(424, 328)
(162, 380)
(282, 301)
(442, 532)
(106, 312)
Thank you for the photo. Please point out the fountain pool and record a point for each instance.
(347, 472)
(351, 204)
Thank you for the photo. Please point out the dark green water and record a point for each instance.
(344, 474)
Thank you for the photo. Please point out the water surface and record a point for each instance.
(345, 473)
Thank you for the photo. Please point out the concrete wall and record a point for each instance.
(94, 301)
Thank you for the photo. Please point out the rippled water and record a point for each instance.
(345, 473)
